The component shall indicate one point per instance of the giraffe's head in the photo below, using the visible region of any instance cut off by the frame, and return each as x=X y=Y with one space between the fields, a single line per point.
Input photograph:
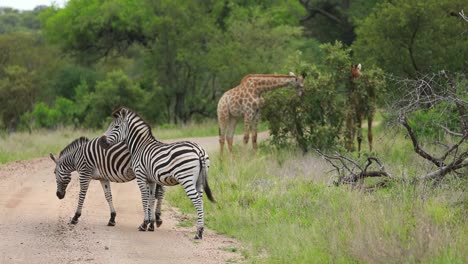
x=298 y=83
x=355 y=71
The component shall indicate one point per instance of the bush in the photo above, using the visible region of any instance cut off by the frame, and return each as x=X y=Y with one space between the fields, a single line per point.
x=114 y=91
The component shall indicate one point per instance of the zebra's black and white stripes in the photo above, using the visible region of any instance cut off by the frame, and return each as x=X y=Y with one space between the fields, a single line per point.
x=92 y=162
x=155 y=162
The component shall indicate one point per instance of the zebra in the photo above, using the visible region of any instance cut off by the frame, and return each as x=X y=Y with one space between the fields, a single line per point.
x=155 y=162
x=92 y=162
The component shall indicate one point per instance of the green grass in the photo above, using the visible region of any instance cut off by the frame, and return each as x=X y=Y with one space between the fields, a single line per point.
x=279 y=205
x=24 y=146
x=39 y=143
x=204 y=129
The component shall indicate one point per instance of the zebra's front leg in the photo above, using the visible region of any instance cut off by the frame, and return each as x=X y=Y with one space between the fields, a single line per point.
x=84 y=184
x=144 y=200
x=108 y=194
x=159 y=197
x=152 y=196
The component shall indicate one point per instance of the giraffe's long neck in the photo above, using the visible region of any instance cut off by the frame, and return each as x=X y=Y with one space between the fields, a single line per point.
x=264 y=83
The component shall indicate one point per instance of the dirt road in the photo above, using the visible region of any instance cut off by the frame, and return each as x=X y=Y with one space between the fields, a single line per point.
x=34 y=223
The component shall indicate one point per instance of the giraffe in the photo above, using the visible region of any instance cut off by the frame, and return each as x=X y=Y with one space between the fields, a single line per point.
x=360 y=106
x=245 y=101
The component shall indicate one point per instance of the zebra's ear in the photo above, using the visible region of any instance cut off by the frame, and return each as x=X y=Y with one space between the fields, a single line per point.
x=120 y=112
x=52 y=157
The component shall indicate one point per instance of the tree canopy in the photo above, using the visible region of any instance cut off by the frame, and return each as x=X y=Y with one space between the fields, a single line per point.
x=172 y=60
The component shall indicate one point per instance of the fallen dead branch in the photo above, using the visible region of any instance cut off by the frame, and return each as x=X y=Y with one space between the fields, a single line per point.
x=349 y=171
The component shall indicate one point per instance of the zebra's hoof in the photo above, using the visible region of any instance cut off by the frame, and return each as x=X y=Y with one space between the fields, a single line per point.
x=158 y=223
x=111 y=223
x=142 y=228
x=74 y=221
x=151 y=227
x=199 y=234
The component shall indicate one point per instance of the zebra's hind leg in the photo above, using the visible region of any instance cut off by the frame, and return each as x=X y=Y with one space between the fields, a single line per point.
x=197 y=201
x=159 y=197
x=108 y=194
x=75 y=218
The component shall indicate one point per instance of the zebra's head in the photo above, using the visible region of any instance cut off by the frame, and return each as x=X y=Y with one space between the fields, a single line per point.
x=65 y=165
x=117 y=130
x=62 y=176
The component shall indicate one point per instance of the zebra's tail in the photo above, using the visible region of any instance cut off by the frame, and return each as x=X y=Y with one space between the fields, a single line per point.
x=204 y=177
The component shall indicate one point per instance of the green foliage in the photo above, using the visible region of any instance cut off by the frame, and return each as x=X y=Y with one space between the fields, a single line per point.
x=426 y=122
x=116 y=90
x=316 y=119
x=97 y=27
x=12 y=20
x=330 y=20
x=26 y=63
x=405 y=37
x=17 y=94
x=69 y=76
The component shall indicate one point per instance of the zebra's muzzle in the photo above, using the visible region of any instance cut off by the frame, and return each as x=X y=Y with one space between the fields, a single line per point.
x=103 y=142
x=60 y=195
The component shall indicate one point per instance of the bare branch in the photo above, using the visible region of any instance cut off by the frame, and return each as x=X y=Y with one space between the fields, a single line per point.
x=438 y=174
x=439 y=163
x=463 y=15
x=451 y=132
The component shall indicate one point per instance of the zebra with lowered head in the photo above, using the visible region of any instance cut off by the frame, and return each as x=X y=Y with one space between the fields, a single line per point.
x=155 y=162
x=92 y=162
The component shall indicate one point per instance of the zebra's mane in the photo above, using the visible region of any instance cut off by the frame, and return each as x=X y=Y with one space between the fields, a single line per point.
x=129 y=111
x=73 y=145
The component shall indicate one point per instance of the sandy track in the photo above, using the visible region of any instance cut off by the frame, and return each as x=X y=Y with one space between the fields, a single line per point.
x=34 y=223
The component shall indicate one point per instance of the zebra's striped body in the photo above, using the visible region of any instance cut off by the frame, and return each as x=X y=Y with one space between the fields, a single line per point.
x=92 y=162
x=154 y=162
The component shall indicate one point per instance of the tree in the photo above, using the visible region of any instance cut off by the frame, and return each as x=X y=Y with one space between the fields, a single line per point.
x=409 y=37
x=97 y=28
x=18 y=94
x=334 y=20
x=116 y=90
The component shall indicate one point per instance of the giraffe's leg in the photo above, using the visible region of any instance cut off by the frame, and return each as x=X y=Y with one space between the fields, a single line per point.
x=254 y=129
x=84 y=184
x=159 y=197
x=108 y=194
x=349 y=134
x=247 y=122
x=222 y=133
x=151 y=196
x=141 y=181
x=359 y=133
x=370 y=136
x=230 y=133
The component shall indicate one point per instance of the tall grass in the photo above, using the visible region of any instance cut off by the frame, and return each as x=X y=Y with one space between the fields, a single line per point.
x=24 y=145
x=280 y=205
x=41 y=142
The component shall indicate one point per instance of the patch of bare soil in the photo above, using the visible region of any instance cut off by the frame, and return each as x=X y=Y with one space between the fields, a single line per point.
x=34 y=223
